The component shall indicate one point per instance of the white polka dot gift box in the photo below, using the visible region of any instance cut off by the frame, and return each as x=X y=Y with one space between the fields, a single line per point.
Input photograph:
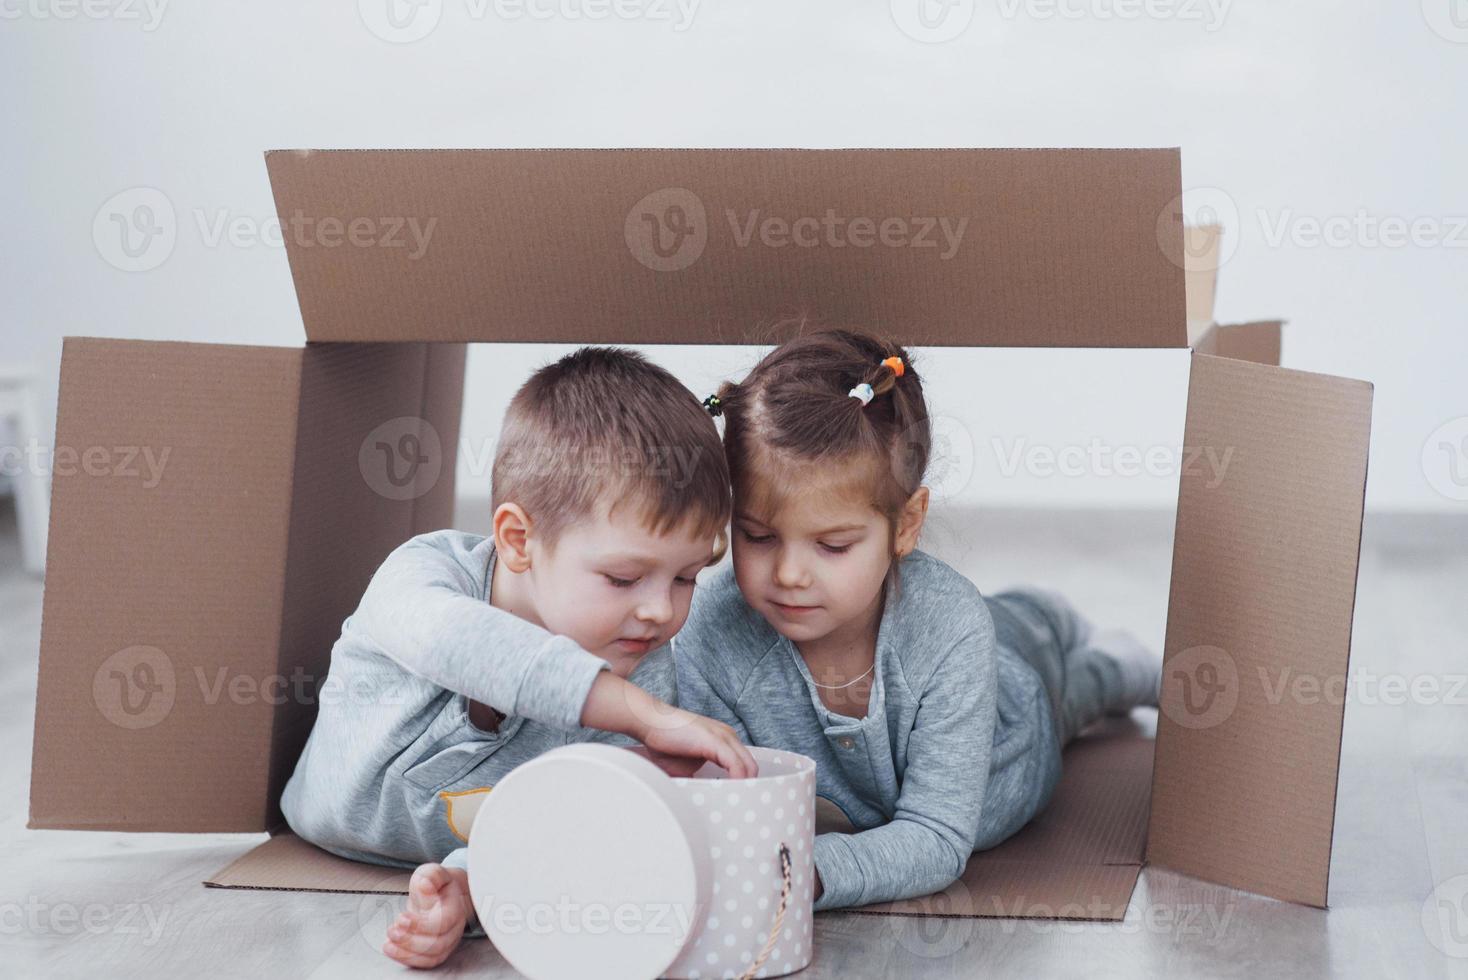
x=591 y=861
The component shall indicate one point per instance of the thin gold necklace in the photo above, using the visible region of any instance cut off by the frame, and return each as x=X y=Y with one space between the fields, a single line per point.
x=837 y=687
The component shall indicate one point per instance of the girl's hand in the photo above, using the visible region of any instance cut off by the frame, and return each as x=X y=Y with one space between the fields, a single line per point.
x=429 y=929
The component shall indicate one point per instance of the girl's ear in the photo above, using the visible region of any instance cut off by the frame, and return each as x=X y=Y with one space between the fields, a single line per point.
x=512 y=536
x=910 y=522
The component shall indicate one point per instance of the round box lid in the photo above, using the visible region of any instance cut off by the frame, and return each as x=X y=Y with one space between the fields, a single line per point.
x=580 y=865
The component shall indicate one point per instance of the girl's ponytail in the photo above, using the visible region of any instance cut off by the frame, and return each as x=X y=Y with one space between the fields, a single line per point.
x=836 y=395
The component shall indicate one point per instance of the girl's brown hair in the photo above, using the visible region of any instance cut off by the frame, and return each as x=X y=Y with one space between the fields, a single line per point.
x=796 y=407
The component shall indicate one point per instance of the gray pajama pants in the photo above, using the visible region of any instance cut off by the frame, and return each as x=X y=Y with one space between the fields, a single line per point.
x=1045 y=630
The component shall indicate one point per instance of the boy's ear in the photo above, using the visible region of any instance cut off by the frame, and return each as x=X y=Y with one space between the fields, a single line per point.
x=512 y=536
x=910 y=522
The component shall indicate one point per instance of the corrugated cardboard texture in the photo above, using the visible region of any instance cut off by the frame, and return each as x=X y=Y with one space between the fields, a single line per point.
x=287 y=863
x=158 y=598
x=347 y=514
x=1059 y=248
x=1078 y=859
x=1257 y=342
x=1259 y=628
x=188 y=625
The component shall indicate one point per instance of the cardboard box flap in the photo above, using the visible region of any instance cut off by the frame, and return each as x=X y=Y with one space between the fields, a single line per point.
x=1259 y=627
x=374 y=466
x=1030 y=248
x=191 y=603
x=1258 y=342
x=287 y=863
x=1201 y=251
x=163 y=585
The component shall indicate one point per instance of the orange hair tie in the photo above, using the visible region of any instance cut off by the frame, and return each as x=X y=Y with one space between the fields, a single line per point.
x=895 y=363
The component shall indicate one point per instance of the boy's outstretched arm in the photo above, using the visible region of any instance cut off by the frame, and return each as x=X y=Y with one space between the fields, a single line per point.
x=617 y=705
x=420 y=611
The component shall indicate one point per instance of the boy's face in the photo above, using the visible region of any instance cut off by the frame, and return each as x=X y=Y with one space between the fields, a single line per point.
x=614 y=587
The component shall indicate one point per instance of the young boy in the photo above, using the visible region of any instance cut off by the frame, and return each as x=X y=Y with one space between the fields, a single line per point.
x=469 y=655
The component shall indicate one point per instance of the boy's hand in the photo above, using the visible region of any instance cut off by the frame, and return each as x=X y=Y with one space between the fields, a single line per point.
x=616 y=705
x=673 y=765
x=690 y=736
x=429 y=929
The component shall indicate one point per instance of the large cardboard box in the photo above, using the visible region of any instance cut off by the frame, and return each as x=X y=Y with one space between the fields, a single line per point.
x=187 y=625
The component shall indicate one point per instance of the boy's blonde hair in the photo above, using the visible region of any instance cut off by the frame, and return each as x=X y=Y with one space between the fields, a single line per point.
x=605 y=427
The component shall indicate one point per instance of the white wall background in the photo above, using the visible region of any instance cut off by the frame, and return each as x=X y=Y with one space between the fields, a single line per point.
x=1289 y=113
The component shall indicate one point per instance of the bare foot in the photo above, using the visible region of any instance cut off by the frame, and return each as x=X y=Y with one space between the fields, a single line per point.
x=429 y=929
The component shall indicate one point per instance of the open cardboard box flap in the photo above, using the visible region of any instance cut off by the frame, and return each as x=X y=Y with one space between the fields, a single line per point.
x=187 y=626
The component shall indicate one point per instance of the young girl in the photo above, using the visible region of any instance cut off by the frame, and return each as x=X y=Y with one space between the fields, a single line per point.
x=936 y=716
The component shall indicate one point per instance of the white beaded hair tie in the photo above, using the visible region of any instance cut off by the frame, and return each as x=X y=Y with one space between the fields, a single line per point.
x=864 y=392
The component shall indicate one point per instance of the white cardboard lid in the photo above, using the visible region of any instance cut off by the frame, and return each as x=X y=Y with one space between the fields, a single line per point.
x=580 y=865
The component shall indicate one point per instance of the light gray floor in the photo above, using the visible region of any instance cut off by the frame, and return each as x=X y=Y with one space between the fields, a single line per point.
x=79 y=904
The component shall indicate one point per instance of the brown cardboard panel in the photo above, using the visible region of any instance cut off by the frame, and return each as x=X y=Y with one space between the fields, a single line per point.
x=221 y=587
x=163 y=587
x=443 y=407
x=287 y=863
x=1068 y=248
x=374 y=465
x=1079 y=859
x=1258 y=342
x=1201 y=250
x=1259 y=628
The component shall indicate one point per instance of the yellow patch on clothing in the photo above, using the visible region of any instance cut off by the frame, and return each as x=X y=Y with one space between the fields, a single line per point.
x=460 y=809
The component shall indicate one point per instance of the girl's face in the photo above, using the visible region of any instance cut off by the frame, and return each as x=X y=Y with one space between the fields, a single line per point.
x=817 y=562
